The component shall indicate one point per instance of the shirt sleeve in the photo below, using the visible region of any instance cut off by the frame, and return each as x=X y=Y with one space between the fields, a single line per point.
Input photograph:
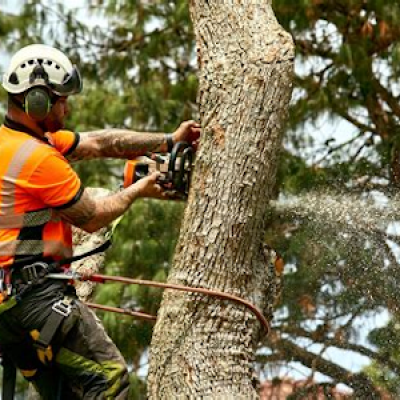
x=65 y=141
x=55 y=183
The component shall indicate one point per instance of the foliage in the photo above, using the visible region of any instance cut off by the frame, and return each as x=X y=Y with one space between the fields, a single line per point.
x=347 y=69
x=387 y=339
x=347 y=74
x=143 y=246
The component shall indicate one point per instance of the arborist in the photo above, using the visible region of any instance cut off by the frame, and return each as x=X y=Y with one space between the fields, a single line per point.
x=45 y=331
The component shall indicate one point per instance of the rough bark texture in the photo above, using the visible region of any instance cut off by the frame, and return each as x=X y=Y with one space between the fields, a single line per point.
x=203 y=347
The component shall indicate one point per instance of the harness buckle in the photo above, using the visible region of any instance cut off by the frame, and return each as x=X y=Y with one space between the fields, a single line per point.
x=5 y=285
x=63 y=307
x=2 y=280
x=30 y=273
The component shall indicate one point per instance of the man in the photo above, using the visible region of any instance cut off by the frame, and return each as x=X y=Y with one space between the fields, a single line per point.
x=47 y=333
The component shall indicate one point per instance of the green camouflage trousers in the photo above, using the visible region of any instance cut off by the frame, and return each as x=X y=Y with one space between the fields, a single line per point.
x=82 y=361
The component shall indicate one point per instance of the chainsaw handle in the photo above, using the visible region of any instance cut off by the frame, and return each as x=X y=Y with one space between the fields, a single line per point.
x=177 y=175
x=172 y=161
x=187 y=156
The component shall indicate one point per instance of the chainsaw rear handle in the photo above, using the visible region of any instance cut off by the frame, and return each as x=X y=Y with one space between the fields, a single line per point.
x=133 y=171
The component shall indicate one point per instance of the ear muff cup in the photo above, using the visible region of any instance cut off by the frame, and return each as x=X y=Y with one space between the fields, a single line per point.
x=37 y=104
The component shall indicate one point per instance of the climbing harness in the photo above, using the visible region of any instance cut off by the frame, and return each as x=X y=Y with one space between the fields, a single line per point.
x=31 y=276
x=176 y=169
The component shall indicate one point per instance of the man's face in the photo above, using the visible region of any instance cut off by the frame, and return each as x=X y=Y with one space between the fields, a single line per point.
x=55 y=120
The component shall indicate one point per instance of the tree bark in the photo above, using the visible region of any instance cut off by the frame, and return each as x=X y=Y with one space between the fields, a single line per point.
x=203 y=347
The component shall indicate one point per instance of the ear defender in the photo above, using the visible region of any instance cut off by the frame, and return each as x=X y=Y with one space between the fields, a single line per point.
x=37 y=104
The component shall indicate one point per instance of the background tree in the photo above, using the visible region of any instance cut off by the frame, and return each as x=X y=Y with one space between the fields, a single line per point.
x=344 y=266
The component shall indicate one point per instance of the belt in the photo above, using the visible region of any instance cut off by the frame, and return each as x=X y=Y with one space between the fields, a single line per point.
x=15 y=282
x=29 y=274
x=23 y=280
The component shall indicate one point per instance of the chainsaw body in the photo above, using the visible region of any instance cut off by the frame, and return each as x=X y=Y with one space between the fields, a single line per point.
x=175 y=168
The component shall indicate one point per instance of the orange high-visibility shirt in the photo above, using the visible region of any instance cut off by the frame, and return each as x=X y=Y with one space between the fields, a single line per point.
x=35 y=181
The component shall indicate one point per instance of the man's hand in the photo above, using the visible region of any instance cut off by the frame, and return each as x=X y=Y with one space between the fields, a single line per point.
x=91 y=214
x=149 y=187
x=188 y=131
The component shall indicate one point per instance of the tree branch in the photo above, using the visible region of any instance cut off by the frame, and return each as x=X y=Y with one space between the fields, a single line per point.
x=359 y=382
x=394 y=366
x=387 y=96
x=361 y=126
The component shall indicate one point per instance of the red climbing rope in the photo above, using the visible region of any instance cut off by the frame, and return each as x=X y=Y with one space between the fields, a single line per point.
x=214 y=293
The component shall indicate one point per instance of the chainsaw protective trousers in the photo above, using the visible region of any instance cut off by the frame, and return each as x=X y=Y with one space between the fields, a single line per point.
x=82 y=361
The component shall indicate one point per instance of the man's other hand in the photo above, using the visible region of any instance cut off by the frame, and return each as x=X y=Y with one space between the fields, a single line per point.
x=188 y=131
x=149 y=187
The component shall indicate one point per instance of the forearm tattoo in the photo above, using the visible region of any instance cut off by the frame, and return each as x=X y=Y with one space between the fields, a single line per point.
x=118 y=143
x=92 y=214
x=81 y=212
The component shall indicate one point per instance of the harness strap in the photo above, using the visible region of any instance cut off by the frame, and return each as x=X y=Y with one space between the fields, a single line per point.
x=103 y=247
x=60 y=310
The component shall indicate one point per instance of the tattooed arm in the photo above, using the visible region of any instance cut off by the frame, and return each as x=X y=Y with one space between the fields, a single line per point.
x=91 y=214
x=120 y=143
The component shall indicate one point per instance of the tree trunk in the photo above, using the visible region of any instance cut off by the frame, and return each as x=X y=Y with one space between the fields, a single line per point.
x=203 y=347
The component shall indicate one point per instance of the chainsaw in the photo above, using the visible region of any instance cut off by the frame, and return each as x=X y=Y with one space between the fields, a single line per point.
x=175 y=168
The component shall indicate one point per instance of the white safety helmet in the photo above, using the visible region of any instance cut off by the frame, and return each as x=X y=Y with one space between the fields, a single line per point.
x=42 y=65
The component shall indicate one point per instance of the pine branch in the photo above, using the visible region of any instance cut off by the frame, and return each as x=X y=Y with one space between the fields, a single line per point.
x=359 y=382
x=66 y=18
x=357 y=153
x=340 y=146
x=387 y=96
x=313 y=390
x=307 y=47
x=360 y=125
x=381 y=359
